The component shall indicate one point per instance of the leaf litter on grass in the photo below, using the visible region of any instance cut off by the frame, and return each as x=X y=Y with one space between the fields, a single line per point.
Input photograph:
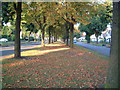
x=75 y=68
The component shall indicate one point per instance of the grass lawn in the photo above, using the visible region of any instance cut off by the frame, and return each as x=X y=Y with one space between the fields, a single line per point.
x=55 y=66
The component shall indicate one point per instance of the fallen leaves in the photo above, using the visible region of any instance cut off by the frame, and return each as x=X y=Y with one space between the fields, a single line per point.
x=80 y=53
x=75 y=68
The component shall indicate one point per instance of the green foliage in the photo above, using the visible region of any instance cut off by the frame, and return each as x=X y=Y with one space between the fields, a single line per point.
x=7 y=12
x=13 y=38
x=86 y=28
x=77 y=35
x=41 y=15
x=30 y=27
x=55 y=14
x=8 y=32
x=4 y=36
x=99 y=21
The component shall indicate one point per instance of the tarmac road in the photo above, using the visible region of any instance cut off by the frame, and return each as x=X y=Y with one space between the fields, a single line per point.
x=5 y=51
x=101 y=50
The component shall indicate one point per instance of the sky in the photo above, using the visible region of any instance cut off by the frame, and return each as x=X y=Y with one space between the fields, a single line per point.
x=8 y=24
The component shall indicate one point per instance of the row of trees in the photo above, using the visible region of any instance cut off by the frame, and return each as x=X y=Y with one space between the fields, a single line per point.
x=58 y=19
x=55 y=18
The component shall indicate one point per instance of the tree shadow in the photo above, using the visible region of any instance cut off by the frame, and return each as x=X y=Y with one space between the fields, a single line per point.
x=36 y=52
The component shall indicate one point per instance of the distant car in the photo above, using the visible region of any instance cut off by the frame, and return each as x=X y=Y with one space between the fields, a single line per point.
x=75 y=41
x=29 y=38
x=3 y=40
x=26 y=38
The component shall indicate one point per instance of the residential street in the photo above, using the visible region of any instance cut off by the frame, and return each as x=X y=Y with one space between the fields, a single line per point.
x=101 y=50
x=10 y=49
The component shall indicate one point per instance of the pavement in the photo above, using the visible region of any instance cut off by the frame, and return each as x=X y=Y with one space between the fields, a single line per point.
x=101 y=50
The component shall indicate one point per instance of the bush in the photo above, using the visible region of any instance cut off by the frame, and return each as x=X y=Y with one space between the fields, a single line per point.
x=9 y=38
x=13 y=38
x=4 y=36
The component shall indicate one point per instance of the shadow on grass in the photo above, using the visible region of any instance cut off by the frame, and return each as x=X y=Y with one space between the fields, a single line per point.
x=36 y=52
x=43 y=51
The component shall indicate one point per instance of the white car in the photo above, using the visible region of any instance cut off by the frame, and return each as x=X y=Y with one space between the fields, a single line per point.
x=3 y=40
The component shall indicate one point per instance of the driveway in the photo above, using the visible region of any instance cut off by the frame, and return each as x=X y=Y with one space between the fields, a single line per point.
x=101 y=50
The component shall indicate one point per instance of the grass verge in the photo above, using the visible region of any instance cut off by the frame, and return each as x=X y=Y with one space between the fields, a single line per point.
x=99 y=44
x=99 y=55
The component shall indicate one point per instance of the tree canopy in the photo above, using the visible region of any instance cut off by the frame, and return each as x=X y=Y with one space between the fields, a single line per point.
x=57 y=19
x=99 y=21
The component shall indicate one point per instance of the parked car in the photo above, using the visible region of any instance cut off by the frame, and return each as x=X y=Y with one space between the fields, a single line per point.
x=82 y=39
x=3 y=40
x=29 y=38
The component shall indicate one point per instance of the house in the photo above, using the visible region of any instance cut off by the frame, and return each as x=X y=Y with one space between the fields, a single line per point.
x=105 y=35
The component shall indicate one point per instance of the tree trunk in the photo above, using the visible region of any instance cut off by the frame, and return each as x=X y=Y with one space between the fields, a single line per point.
x=67 y=34
x=67 y=37
x=29 y=37
x=64 y=40
x=97 y=39
x=118 y=43
x=35 y=37
x=109 y=40
x=43 y=32
x=43 y=42
x=49 y=36
x=17 y=30
x=87 y=37
x=56 y=37
x=52 y=39
x=71 y=34
x=113 y=67
x=105 y=40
